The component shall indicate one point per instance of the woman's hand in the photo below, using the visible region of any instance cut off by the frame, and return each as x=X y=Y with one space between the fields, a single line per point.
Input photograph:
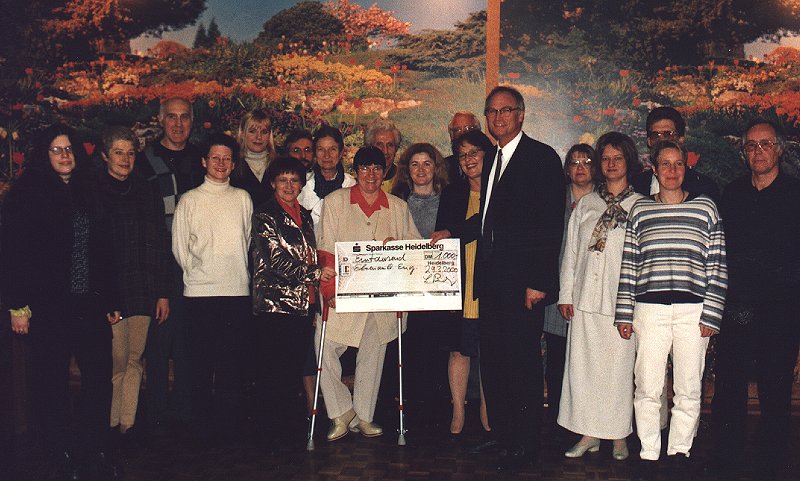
x=114 y=317
x=162 y=310
x=388 y=239
x=20 y=324
x=625 y=330
x=566 y=310
x=439 y=235
x=327 y=274
x=332 y=302
x=707 y=331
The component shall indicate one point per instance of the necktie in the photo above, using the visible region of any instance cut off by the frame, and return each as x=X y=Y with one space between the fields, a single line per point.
x=498 y=167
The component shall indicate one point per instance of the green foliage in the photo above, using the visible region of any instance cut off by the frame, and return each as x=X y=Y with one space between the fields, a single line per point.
x=213 y=33
x=446 y=52
x=307 y=23
x=648 y=34
x=201 y=37
x=226 y=62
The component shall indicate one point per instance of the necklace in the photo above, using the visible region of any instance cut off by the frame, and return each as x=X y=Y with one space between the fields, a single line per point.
x=661 y=199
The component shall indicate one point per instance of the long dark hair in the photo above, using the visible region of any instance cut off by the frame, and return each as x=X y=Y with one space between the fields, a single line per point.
x=81 y=182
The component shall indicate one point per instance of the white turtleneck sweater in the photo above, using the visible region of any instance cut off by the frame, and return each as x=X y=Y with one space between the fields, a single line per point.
x=257 y=163
x=210 y=238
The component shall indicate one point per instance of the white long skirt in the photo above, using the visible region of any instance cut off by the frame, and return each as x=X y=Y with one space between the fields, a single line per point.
x=597 y=392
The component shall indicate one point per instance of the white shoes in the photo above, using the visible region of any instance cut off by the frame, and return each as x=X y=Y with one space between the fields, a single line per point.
x=586 y=443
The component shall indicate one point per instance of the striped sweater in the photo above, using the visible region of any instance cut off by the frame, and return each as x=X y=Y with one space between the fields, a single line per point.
x=676 y=248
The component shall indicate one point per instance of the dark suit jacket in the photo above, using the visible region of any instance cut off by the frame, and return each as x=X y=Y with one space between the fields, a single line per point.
x=524 y=224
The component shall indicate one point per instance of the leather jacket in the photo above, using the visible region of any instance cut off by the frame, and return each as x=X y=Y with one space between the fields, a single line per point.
x=283 y=269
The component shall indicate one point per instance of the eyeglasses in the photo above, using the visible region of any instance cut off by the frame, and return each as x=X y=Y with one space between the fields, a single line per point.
x=766 y=145
x=370 y=169
x=587 y=162
x=298 y=150
x=662 y=134
x=287 y=180
x=502 y=112
x=220 y=160
x=616 y=158
x=472 y=154
x=456 y=131
x=58 y=151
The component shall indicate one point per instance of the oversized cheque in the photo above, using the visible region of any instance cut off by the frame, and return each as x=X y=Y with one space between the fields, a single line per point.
x=408 y=275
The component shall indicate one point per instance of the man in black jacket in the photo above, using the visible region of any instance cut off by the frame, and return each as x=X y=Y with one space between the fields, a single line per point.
x=522 y=222
x=173 y=164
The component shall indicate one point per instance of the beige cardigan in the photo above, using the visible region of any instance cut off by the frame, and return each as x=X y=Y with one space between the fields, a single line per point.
x=345 y=222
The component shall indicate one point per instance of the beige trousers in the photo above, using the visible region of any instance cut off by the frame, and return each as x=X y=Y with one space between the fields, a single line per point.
x=369 y=368
x=127 y=347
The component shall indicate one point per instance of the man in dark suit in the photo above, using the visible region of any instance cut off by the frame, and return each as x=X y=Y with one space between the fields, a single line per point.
x=522 y=215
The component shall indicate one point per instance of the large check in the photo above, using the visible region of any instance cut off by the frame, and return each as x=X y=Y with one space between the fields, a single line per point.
x=410 y=275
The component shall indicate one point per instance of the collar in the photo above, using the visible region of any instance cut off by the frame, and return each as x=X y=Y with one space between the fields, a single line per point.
x=356 y=197
x=510 y=147
x=293 y=211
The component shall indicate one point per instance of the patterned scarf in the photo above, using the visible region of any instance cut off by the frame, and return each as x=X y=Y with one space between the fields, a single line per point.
x=613 y=217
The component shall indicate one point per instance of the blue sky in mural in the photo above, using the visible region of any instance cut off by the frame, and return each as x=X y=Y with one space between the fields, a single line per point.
x=243 y=19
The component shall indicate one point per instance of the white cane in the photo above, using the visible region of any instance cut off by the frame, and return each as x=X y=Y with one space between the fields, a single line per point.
x=401 y=440
x=310 y=444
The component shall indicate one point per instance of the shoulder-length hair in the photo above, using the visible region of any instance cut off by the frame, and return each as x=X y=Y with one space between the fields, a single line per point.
x=403 y=185
x=590 y=153
x=624 y=144
x=257 y=115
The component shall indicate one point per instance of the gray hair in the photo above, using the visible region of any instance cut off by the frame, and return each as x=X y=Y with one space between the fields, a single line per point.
x=382 y=125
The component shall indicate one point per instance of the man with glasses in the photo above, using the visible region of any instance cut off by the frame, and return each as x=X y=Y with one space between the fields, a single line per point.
x=385 y=136
x=174 y=165
x=666 y=123
x=760 y=326
x=516 y=269
x=299 y=145
x=460 y=124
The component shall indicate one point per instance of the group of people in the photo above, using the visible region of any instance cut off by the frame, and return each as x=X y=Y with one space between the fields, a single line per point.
x=621 y=267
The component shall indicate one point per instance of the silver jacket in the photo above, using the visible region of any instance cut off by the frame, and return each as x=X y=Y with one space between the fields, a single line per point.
x=279 y=255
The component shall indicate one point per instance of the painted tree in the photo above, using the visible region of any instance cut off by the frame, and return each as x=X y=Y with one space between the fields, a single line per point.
x=368 y=25
x=213 y=33
x=307 y=22
x=200 y=37
x=650 y=34
x=81 y=28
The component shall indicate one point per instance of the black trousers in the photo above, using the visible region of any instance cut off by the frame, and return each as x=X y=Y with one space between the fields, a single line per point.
x=511 y=369
x=554 y=373
x=764 y=350
x=217 y=343
x=82 y=330
x=282 y=341
x=164 y=341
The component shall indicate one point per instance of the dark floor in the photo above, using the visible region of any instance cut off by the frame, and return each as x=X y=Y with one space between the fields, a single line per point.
x=430 y=454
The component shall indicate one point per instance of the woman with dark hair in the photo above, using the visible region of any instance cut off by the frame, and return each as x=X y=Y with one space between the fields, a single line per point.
x=327 y=174
x=458 y=217
x=672 y=288
x=257 y=149
x=579 y=169
x=210 y=239
x=286 y=277
x=59 y=285
x=597 y=395
x=141 y=255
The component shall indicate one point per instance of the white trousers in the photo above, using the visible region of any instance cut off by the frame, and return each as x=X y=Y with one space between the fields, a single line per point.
x=369 y=368
x=659 y=329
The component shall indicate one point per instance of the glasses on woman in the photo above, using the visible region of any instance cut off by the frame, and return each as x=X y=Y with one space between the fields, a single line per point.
x=370 y=169
x=472 y=154
x=584 y=162
x=61 y=150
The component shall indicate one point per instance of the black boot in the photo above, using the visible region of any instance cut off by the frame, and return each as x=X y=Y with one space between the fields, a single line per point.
x=67 y=467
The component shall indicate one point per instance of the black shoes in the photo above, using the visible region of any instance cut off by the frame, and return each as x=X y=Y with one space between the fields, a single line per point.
x=647 y=471
x=681 y=468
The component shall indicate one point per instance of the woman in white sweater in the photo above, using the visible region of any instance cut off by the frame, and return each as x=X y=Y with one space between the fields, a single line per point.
x=210 y=238
x=597 y=392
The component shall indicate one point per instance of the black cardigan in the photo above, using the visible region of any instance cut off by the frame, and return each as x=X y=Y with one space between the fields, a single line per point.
x=453 y=204
x=37 y=236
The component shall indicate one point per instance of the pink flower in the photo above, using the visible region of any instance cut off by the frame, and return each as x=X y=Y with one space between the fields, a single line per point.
x=624 y=73
x=692 y=159
x=18 y=157
x=88 y=147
